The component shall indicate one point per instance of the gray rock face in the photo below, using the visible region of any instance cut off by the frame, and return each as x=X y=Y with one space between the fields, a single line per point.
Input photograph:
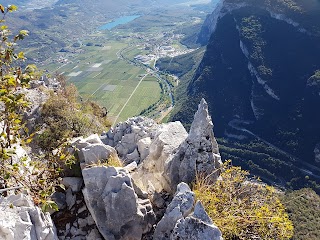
x=118 y=210
x=143 y=147
x=94 y=235
x=192 y=228
x=75 y=183
x=70 y=198
x=91 y=150
x=36 y=97
x=20 y=219
x=199 y=153
x=60 y=199
x=131 y=138
x=180 y=223
x=167 y=138
x=180 y=207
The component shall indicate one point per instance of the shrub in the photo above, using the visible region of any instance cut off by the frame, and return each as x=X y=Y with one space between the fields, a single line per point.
x=243 y=208
x=12 y=101
x=64 y=117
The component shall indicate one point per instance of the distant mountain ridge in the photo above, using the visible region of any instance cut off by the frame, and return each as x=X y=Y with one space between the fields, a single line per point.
x=120 y=5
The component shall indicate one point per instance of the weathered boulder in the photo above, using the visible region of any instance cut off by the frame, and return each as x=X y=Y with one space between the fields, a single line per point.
x=21 y=219
x=143 y=147
x=196 y=226
x=60 y=199
x=91 y=150
x=125 y=138
x=180 y=207
x=70 y=198
x=199 y=153
x=119 y=210
x=167 y=138
x=94 y=235
x=75 y=183
x=37 y=98
x=184 y=220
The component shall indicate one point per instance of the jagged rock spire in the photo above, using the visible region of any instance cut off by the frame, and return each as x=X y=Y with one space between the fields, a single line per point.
x=202 y=127
x=199 y=153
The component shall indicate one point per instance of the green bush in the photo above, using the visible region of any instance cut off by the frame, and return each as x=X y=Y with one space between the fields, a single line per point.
x=243 y=209
x=64 y=117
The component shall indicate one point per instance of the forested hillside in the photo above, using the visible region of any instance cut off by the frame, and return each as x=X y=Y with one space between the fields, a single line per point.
x=260 y=75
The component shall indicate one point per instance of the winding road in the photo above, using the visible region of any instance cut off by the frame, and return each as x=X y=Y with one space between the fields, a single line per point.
x=149 y=70
x=308 y=168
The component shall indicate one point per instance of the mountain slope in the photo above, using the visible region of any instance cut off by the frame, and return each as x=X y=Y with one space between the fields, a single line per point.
x=260 y=76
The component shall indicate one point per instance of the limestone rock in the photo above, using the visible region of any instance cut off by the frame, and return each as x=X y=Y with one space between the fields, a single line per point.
x=21 y=158
x=60 y=199
x=201 y=214
x=75 y=183
x=91 y=150
x=192 y=228
x=134 y=156
x=36 y=97
x=199 y=153
x=114 y=205
x=20 y=153
x=94 y=235
x=125 y=138
x=79 y=222
x=167 y=138
x=180 y=207
x=143 y=147
x=20 y=219
x=70 y=198
x=131 y=167
x=179 y=222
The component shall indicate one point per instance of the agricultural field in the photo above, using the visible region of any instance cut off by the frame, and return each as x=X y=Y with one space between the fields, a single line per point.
x=100 y=75
x=109 y=66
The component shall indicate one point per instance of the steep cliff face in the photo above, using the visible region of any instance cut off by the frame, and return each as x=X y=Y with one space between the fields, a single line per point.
x=259 y=73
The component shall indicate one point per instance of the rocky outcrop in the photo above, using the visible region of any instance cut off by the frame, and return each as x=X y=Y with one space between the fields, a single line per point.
x=198 y=154
x=118 y=207
x=150 y=173
x=184 y=220
x=131 y=138
x=91 y=150
x=126 y=203
x=196 y=226
x=74 y=183
x=222 y=8
x=171 y=155
x=37 y=95
x=21 y=219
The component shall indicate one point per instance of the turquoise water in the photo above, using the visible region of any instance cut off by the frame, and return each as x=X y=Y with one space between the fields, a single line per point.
x=118 y=21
